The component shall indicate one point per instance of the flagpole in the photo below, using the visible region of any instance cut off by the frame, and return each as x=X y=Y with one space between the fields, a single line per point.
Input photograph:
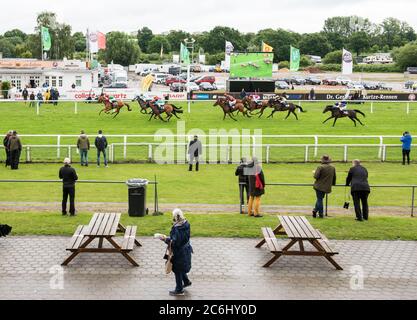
x=41 y=44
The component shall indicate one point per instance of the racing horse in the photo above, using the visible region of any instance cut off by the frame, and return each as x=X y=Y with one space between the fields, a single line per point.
x=169 y=109
x=110 y=107
x=143 y=105
x=337 y=114
x=224 y=104
x=251 y=105
x=280 y=107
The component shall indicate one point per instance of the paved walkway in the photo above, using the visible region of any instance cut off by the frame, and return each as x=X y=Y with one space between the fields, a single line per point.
x=222 y=269
x=192 y=208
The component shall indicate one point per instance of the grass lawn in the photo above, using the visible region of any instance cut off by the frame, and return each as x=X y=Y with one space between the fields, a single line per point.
x=214 y=184
x=221 y=225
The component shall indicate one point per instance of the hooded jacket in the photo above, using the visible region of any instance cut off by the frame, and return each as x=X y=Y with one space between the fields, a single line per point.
x=83 y=143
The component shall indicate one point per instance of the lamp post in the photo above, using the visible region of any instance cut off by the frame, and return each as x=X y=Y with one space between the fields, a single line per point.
x=189 y=43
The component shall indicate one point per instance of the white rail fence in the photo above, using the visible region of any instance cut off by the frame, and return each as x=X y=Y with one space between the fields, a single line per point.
x=224 y=152
x=373 y=103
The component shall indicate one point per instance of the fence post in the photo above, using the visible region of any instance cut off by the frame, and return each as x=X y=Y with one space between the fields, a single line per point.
x=299 y=103
x=69 y=153
x=37 y=108
x=345 y=154
x=58 y=143
x=384 y=154
x=150 y=153
x=372 y=107
x=189 y=106
x=307 y=150
x=268 y=151
x=125 y=147
x=27 y=154
x=412 y=203
x=381 y=143
x=112 y=153
x=316 y=143
x=408 y=107
x=76 y=107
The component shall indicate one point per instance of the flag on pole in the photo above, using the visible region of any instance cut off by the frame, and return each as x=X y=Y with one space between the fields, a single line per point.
x=294 y=59
x=147 y=82
x=97 y=41
x=46 y=39
x=162 y=50
x=184 y=54
x=267 y=47
x=229 y=47
x=347 y=62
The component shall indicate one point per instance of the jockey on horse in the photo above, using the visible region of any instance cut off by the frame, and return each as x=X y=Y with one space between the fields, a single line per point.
x=158 y=102
x=231 y=101
x=341 y=106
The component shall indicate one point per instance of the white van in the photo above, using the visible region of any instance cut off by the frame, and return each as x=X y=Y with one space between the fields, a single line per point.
x=119 y=79
x=159 y=78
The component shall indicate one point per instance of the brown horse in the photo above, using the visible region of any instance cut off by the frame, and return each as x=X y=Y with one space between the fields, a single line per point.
x=224 y=104
x=108 y=106
x=251 y=105
x=337 y=114
x=169 y=109
x=143 y=105
x=281 y=107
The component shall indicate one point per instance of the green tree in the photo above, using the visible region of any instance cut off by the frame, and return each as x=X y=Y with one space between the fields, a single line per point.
x=215 y=40
x=280 y=39
x=7 y=48
x=406 y=56
x=334 y=57
x=157 y=42
x=175 y=37
x=121 y=49
x=314 y=44
x=358 y=42
x=396 y=33
x=15 y=33
x=80 y=40
x=144 y=36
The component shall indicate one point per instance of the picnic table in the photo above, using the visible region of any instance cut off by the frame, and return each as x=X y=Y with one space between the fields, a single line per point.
x=299 y=231
x=103 y=226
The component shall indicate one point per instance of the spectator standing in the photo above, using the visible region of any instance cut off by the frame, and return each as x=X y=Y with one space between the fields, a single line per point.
x=6 y=147
x=179 y=241
x=325 y=176
x=69 y=177
x=243 y=182
x=256 y=188
x=15 y=148
x=407 y=141
x=25 y=95
x=32 y=100
x=83 y=145
x=101 y=146
x=312 y=95
x=360 y=189
x=195 y=150
x=243 y=94
x=39 y=96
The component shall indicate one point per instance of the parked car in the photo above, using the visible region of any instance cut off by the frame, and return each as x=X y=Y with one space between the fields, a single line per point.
x=282 y=85
x=343 y=81
x=313 y=81
x=298 y=81
x=287 y=80
x=330 y=82
x=409 y=84
x=370 y=86
x=196 y=68
x=206 y=86
x=193 y=86
x=209 y=79
x=412 y=70
x=177 y=87
x=384 y=86
x=173 y=79
x=356 y=86
x=159 y=78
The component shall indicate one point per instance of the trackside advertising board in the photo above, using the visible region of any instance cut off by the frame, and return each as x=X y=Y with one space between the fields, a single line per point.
x=251 y=64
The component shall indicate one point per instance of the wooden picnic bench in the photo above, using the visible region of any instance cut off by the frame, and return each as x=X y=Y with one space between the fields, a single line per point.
x=103 y=226
x=299 y=231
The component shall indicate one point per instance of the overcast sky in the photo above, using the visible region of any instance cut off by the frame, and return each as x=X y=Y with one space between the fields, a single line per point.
x=200 y=15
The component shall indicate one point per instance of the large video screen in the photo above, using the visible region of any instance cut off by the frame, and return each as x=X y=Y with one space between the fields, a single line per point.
x=251 y=64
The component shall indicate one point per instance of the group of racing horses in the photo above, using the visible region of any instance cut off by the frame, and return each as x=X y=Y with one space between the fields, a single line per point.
x=247 y=106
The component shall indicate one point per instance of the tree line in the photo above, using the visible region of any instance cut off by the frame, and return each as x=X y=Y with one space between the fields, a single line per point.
x=360 y=35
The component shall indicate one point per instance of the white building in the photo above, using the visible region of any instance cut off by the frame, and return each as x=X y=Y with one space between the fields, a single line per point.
x=35 y=74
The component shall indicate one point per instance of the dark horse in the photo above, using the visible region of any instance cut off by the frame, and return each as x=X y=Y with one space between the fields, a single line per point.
x=108 y=106
x=144 y=106
x=280 y=107
x=224 y=104
x=337 y=114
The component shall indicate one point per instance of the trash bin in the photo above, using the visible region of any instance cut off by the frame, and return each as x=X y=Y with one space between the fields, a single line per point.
x=137 y=197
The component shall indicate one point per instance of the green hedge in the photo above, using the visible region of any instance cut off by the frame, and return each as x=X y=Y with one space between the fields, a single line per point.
x=391 y=67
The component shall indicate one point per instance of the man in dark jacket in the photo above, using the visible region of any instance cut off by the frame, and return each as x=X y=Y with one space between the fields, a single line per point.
x=243 y=182
x=358 y=180
x=6 y=147
x=325 y=176
x=69 y=177
x=32 y=100
x=101 y=145
x=25 y=94
x=15 y=147
x=195 y=150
